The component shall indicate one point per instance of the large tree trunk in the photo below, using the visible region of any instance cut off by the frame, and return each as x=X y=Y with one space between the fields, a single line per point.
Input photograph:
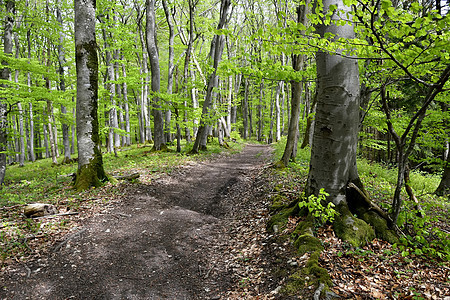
x=335 y=137
x=90 y=162
x=152 y=50
x=333 y=152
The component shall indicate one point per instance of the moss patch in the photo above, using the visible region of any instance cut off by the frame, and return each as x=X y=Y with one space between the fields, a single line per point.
x=278 y=202
x=382 y=230
x=307 y=243
x=351 y=229
x=280 y=219
x=92 y=174
x=310 y=275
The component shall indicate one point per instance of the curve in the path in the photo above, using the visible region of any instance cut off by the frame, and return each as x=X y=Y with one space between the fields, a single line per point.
x=155 y=245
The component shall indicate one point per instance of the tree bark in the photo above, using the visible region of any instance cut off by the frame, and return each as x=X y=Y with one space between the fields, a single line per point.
x=127 y=109
x=245 y=109
x=217 y=46
x=62 y=85
x=90 y=163
x=5 y=75
x=335 y=137
x=152 y=50
x=171 y=68
x=297 y=63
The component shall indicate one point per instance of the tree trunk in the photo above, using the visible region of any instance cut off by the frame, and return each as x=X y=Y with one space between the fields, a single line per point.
x=335 y=137
x=145 y=130
x=245 y=109
x=90 y=162
x=171 y=68
x=5 y=75
x=444 y=185
x=127 y=109
x=62 y=85
x=217 y=46
x=278 y=111
x=260 y=111
x=297 y=63
x=152 y=50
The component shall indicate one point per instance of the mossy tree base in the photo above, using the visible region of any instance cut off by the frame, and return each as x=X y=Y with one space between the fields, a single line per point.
x=351 y=229
x=161 y=148
x=357 y=205
x=90 y=175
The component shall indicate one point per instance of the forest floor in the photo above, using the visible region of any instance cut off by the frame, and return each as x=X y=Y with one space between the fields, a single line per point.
x=198 y=233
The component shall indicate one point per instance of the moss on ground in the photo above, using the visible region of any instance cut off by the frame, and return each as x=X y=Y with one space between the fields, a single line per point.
x=310 y=275
x=278 y=202
x=280 y=219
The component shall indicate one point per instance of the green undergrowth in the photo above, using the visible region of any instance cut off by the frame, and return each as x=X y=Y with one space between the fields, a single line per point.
x=423 y=236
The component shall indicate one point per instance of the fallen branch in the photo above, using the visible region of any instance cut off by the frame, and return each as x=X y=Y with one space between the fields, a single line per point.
x=127 y=177
x=376 y=208
x=58 y=215
x=73 y=235
x=12 y=207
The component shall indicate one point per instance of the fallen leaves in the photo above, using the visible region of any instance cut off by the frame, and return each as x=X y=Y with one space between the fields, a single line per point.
x=378 y=272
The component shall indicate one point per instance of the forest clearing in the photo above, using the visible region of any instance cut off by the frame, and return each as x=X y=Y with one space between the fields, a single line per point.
x=136 y=140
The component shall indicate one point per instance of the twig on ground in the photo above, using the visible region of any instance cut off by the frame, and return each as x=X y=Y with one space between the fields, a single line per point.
x=12 y=207
x=68 y=239
x=58 y=215
x=28 y=271
x=209 y=271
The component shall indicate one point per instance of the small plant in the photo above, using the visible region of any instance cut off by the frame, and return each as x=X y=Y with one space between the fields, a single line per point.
x=322 y=213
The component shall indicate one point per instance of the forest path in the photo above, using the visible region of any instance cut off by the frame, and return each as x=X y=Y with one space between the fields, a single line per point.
x=166 y=240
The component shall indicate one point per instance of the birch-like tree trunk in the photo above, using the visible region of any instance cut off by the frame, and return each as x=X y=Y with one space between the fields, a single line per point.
x=145 y=129
x=62 y=84
x=5 y=75
x=90 y=163
x=126 y=107
x=217 y=46
x=245 y=109
x=171 y=68
x=152 y=50
x=297 y=63
x=279 y=88
x=21 y=144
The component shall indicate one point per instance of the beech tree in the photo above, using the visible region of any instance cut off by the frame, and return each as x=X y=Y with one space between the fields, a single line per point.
x=153 y=56
x=5 y=76
x=335 y=136
x=90 y=163
x=217 y=46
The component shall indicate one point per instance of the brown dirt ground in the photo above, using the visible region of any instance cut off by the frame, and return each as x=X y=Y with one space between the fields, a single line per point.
x=196 y=234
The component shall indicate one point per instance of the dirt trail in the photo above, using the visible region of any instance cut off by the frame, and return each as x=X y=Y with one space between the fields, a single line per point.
x=159 y=242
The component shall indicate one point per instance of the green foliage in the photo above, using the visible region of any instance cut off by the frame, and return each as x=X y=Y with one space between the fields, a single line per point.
x=423 y=237
x=314 y=205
